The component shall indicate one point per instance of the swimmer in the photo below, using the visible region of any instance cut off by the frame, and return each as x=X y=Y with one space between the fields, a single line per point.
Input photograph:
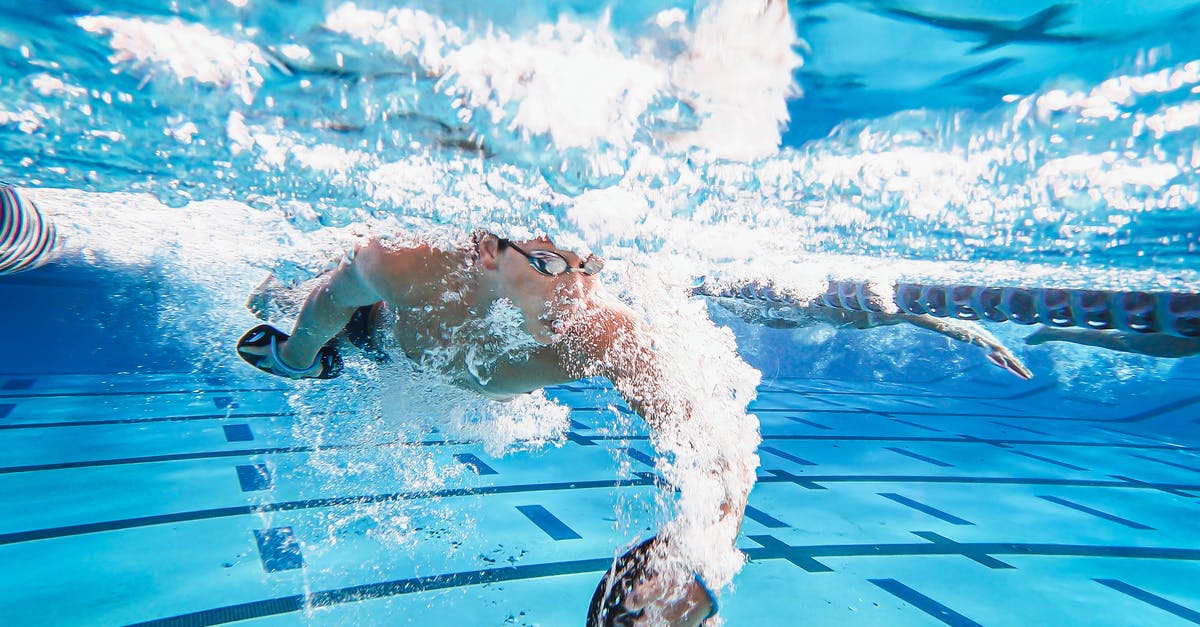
x=417 y=297
x=960 y=330
x=1151 y=344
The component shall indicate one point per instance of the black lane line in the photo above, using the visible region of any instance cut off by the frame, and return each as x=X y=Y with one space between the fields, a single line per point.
x=131 y=421
x=142 y=393
x=171 y=457
x=1166 y=463
x=1079 y=507
x=1150 y=598
x=773 y=550
x=785 y=477
x=643 y=479
x=353 y=594
x=924 y=603
x=287 y=506
x=585 y=440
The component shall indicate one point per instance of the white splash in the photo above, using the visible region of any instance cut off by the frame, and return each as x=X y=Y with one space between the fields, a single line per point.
x=189 y=51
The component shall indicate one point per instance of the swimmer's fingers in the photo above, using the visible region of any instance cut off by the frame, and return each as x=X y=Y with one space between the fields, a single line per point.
x=1004 y=359
x=654 y=602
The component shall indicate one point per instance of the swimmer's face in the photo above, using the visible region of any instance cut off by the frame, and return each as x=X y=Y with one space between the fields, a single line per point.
x=550 y=304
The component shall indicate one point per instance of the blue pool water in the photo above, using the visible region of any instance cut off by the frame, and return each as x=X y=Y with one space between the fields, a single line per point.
x=184 y=152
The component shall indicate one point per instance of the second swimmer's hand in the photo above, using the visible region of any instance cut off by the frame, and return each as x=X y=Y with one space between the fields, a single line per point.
x=1005 y=359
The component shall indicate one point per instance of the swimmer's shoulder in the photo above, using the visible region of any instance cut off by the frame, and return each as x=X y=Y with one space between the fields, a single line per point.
x=407 y=274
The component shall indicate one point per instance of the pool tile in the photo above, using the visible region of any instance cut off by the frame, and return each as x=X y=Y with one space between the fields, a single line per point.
x=548 y=523
x=254 y=477
x=278 y=549
x=238 y=433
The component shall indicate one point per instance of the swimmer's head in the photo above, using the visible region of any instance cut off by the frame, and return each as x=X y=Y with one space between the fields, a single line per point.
x=549 y=285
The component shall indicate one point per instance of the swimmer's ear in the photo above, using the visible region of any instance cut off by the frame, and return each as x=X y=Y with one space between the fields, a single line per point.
x=488 y=247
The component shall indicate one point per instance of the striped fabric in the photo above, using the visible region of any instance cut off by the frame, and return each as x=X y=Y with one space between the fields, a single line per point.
x=27 y=239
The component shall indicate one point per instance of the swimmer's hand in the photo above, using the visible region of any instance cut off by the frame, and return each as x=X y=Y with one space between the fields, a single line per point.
x=1004 y=359
x=652 y=603
x=633 y=593
x=260 y=347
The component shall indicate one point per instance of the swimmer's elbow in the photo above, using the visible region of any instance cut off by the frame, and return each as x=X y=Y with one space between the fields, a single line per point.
x=353 y=282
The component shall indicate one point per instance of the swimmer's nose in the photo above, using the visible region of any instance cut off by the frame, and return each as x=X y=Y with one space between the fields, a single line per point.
x=570 y=293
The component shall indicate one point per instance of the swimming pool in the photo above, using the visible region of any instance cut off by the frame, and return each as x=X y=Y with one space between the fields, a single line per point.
x=184 y=153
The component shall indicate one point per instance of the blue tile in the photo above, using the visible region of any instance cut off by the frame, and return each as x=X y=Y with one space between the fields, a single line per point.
x=786 y=455
x=474 y=463
x=278 y=549
x=575 y=424
x=18 y=384
x=1167 y=605
x=224 y=402
x=928 y=460
x=238 y=433
x=547 y=522
x=6 y=409
x=254 y=478
x=925 y=509
x=1095 y=512
x=924 y=603
x=764 y=519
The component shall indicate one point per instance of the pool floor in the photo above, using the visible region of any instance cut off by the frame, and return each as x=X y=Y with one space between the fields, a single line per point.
x=187 y=500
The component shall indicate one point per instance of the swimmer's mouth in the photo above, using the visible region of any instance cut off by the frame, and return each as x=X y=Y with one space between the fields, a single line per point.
x=555 y=325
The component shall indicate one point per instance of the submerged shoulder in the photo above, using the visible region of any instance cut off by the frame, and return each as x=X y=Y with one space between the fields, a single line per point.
x=601 y=328
x=404 y=272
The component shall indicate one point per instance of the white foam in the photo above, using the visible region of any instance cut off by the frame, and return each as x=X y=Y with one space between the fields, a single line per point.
x=189 y=51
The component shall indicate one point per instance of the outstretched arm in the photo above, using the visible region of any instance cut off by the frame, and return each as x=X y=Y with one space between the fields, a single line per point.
x=964 y=331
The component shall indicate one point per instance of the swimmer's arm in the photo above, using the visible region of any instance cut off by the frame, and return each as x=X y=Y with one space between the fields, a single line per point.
x=625 y=355
x=352 y=284
x=971 y=334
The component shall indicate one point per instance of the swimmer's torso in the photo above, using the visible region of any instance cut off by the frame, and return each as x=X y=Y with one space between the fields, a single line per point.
x=442 y=339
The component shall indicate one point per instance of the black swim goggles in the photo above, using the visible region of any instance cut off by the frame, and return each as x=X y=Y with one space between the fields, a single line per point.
x=552 y=264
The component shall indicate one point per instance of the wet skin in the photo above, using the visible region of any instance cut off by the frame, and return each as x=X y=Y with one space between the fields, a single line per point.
x=579 y=333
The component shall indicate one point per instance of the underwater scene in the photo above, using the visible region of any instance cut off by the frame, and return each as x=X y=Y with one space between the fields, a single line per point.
x=659 y=312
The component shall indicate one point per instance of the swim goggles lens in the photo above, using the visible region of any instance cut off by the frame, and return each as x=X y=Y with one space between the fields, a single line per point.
x=551 y=263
